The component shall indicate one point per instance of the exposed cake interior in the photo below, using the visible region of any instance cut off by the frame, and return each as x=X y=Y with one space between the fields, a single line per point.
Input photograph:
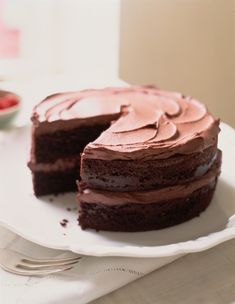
x=56 y=158
x=58 y=143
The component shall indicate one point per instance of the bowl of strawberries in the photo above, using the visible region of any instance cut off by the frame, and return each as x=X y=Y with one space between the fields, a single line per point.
x=9 y=107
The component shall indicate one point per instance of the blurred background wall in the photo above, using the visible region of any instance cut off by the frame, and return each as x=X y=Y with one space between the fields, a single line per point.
x=61 y=36
x=184 y=45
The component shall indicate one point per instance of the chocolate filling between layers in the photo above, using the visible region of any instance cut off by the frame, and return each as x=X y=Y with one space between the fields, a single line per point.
x=143 y=217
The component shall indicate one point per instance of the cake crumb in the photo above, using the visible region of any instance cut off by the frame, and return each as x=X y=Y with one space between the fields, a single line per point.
x=71 y=209
x=51 y=199
x=64 y=223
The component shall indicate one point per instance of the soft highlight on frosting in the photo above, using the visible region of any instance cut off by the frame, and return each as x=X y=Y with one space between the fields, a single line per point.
x=148 y=122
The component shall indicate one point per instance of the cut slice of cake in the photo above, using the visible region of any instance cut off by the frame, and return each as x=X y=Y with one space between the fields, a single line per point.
x=62 y=126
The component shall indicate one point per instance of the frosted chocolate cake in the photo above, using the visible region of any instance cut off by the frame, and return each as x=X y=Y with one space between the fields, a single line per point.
x=149 y=158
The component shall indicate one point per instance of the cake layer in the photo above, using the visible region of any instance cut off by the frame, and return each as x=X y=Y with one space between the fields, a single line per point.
x=55 y=182
x=142 y=217
x=110 y=198
x=49 y=147
x=146 y=210
x=133 y=175
x=61 y=164
x=55 y=177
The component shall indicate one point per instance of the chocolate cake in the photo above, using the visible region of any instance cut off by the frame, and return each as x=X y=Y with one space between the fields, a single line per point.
x=149 y=157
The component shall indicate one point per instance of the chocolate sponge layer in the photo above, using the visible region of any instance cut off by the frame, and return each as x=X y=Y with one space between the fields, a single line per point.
x=55 y=182
x=51 y=146
x=143 y=217
x=135 y=175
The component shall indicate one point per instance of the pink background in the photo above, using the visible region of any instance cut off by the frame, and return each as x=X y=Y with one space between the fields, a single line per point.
x=9 y=37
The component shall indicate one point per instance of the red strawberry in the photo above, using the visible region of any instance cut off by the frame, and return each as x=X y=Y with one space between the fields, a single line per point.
x=8 y=101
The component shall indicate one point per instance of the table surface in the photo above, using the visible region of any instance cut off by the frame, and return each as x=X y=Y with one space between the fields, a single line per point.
x=206 y=277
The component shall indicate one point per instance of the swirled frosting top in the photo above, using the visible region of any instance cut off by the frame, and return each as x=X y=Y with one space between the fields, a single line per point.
x=147 y=122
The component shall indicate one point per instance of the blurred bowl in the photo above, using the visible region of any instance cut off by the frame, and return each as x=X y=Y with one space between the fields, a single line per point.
x=13 y=105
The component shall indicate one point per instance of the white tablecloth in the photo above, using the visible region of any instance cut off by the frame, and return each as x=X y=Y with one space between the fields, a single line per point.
x=206 y=277
x=91 y=278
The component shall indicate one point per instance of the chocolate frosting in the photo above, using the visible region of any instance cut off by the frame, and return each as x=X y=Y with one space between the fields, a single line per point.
x=148 y=122
x=61 y=164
